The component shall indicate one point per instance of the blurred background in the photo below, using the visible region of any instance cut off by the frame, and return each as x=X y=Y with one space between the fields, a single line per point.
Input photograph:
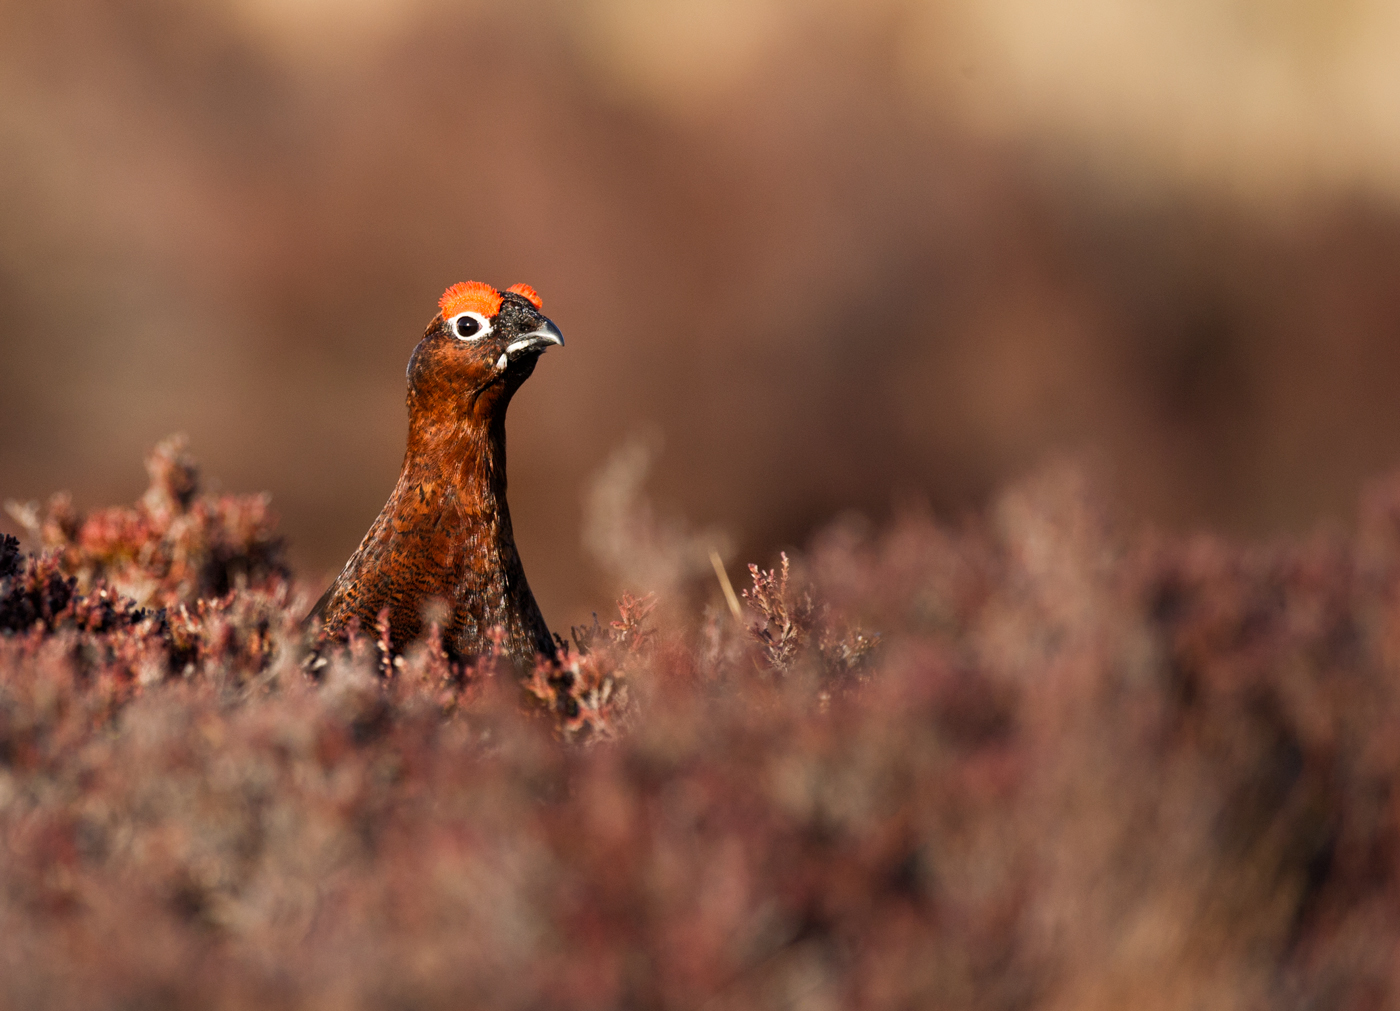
x=808 y=256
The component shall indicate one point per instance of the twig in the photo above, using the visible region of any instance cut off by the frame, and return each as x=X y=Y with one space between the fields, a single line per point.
x=726 y=585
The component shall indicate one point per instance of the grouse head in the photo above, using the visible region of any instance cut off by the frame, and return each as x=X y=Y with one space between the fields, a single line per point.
x=478 y=350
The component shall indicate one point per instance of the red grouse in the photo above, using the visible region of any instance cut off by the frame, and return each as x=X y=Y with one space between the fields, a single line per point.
x=444 y=535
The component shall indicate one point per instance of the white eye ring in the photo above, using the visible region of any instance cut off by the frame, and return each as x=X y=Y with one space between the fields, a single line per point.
x=462 y=327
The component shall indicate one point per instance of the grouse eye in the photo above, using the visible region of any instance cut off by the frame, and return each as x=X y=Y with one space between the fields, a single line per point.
x=470 y=326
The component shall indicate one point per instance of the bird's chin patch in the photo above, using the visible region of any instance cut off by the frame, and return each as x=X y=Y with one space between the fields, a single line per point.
x=511 y=370
x=520 y=360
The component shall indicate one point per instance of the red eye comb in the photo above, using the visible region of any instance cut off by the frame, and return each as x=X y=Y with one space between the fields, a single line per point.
x=528 y=292
x=470 y=296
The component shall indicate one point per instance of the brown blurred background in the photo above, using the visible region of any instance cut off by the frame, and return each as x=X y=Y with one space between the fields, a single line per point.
x=823 y=254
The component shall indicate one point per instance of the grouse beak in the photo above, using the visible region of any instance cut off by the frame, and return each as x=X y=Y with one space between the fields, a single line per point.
x=536 y=340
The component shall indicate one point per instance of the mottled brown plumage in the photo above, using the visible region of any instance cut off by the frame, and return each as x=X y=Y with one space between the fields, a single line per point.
x=445 y=534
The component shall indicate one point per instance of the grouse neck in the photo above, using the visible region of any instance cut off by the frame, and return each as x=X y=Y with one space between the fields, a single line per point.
x=468 y=454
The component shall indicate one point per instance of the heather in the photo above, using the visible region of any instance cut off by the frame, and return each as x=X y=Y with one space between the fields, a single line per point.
x=1036 y=758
